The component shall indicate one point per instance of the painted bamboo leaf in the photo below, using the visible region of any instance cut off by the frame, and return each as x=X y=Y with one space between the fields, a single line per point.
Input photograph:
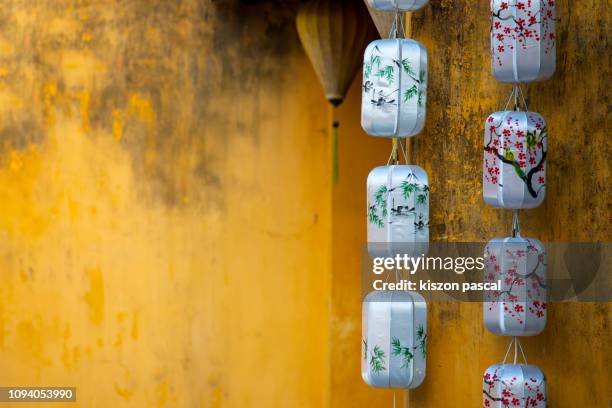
x=377 y=360
x=386 y=73
x=403 y=352
x=410 y=93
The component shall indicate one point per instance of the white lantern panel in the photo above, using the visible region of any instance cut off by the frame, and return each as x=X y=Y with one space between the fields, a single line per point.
x=398 y=211
x=515 y=153
x=394 y=343
x=514 y=385
x=518 y=308
x=401 y=5
x=523 y=40
x=394 y=90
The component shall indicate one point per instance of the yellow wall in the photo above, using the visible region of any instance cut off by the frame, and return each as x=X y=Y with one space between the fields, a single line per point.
x=169 y=236
x=164 y=221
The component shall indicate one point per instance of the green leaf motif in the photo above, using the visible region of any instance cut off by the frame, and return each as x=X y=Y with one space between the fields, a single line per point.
x=377 y=358
x=422 y=337
x=374 y=218
x=387 y=73
x=409 y=188
x=410 y=93
x=403 y=352
x=374 y=61
x=421 y=199
x=407 y=66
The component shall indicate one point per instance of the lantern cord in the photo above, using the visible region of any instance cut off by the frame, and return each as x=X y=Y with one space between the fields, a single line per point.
x=397 y=27
x=523 y=98
x=516 y=228
x=517 y=94
x=508 y=350
x=335 y=154
x=393 y=158
x=517 y=346
x=509 y=98
x=517 y=106
x=404 y=148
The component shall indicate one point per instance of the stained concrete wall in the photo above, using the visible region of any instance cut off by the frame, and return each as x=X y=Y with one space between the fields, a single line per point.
x=165 y=209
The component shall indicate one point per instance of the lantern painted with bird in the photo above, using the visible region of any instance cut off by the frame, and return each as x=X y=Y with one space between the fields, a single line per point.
x=515 y=153
x=518 y=306
x=394 y=90
x=514 y=385
x=399 y=5
x=523 y=40
x=398 y=211
x=394 y=339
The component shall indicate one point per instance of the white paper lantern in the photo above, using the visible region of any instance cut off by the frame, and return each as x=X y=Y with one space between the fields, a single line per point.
x=394 y=343
x=515 y=153
x=523 y=40
x=518 y=308
x=514 y=385
x=398 y=211
x=401 y=5
x=394 y=90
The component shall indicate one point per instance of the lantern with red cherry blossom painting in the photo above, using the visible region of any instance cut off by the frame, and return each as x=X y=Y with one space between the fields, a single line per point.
x=514 y=385
x=393 y=5
x=523 y=40
x=518 y=306
x=515 y=152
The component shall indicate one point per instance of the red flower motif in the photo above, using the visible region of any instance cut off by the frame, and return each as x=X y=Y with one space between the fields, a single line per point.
x=518 y=308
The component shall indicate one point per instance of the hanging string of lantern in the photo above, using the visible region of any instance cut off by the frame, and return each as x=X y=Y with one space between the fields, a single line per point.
x=523 y=50
x=394 y=96
x=334 y=33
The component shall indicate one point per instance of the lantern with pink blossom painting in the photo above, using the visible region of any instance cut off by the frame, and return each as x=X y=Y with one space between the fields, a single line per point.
x=515 y=153
x=514 y=385
x=400 y=5
x=523 y=40
x=518 y=306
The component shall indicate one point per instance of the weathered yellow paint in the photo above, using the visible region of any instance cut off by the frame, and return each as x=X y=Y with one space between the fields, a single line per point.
x=573 y=351
x=165 y=209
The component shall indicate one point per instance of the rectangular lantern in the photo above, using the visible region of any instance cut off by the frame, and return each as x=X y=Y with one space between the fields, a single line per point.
x=515 y=153
x=523 y=40
x=401 y=5
x=514 y=385
x=398 y=211
x=394 y=90
x=518 y=308
x=394 y=343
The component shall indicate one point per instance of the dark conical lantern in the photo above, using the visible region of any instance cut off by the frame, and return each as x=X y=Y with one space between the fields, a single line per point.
x=334 y=34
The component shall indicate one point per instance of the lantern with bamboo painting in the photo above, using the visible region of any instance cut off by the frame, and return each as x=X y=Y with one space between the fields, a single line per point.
x=398 y=211
x=514 y=385
x=514 y=166
x=394 y=339
x=518 y=307
x=523 y=40
x=401 y=5
x=394 y=90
